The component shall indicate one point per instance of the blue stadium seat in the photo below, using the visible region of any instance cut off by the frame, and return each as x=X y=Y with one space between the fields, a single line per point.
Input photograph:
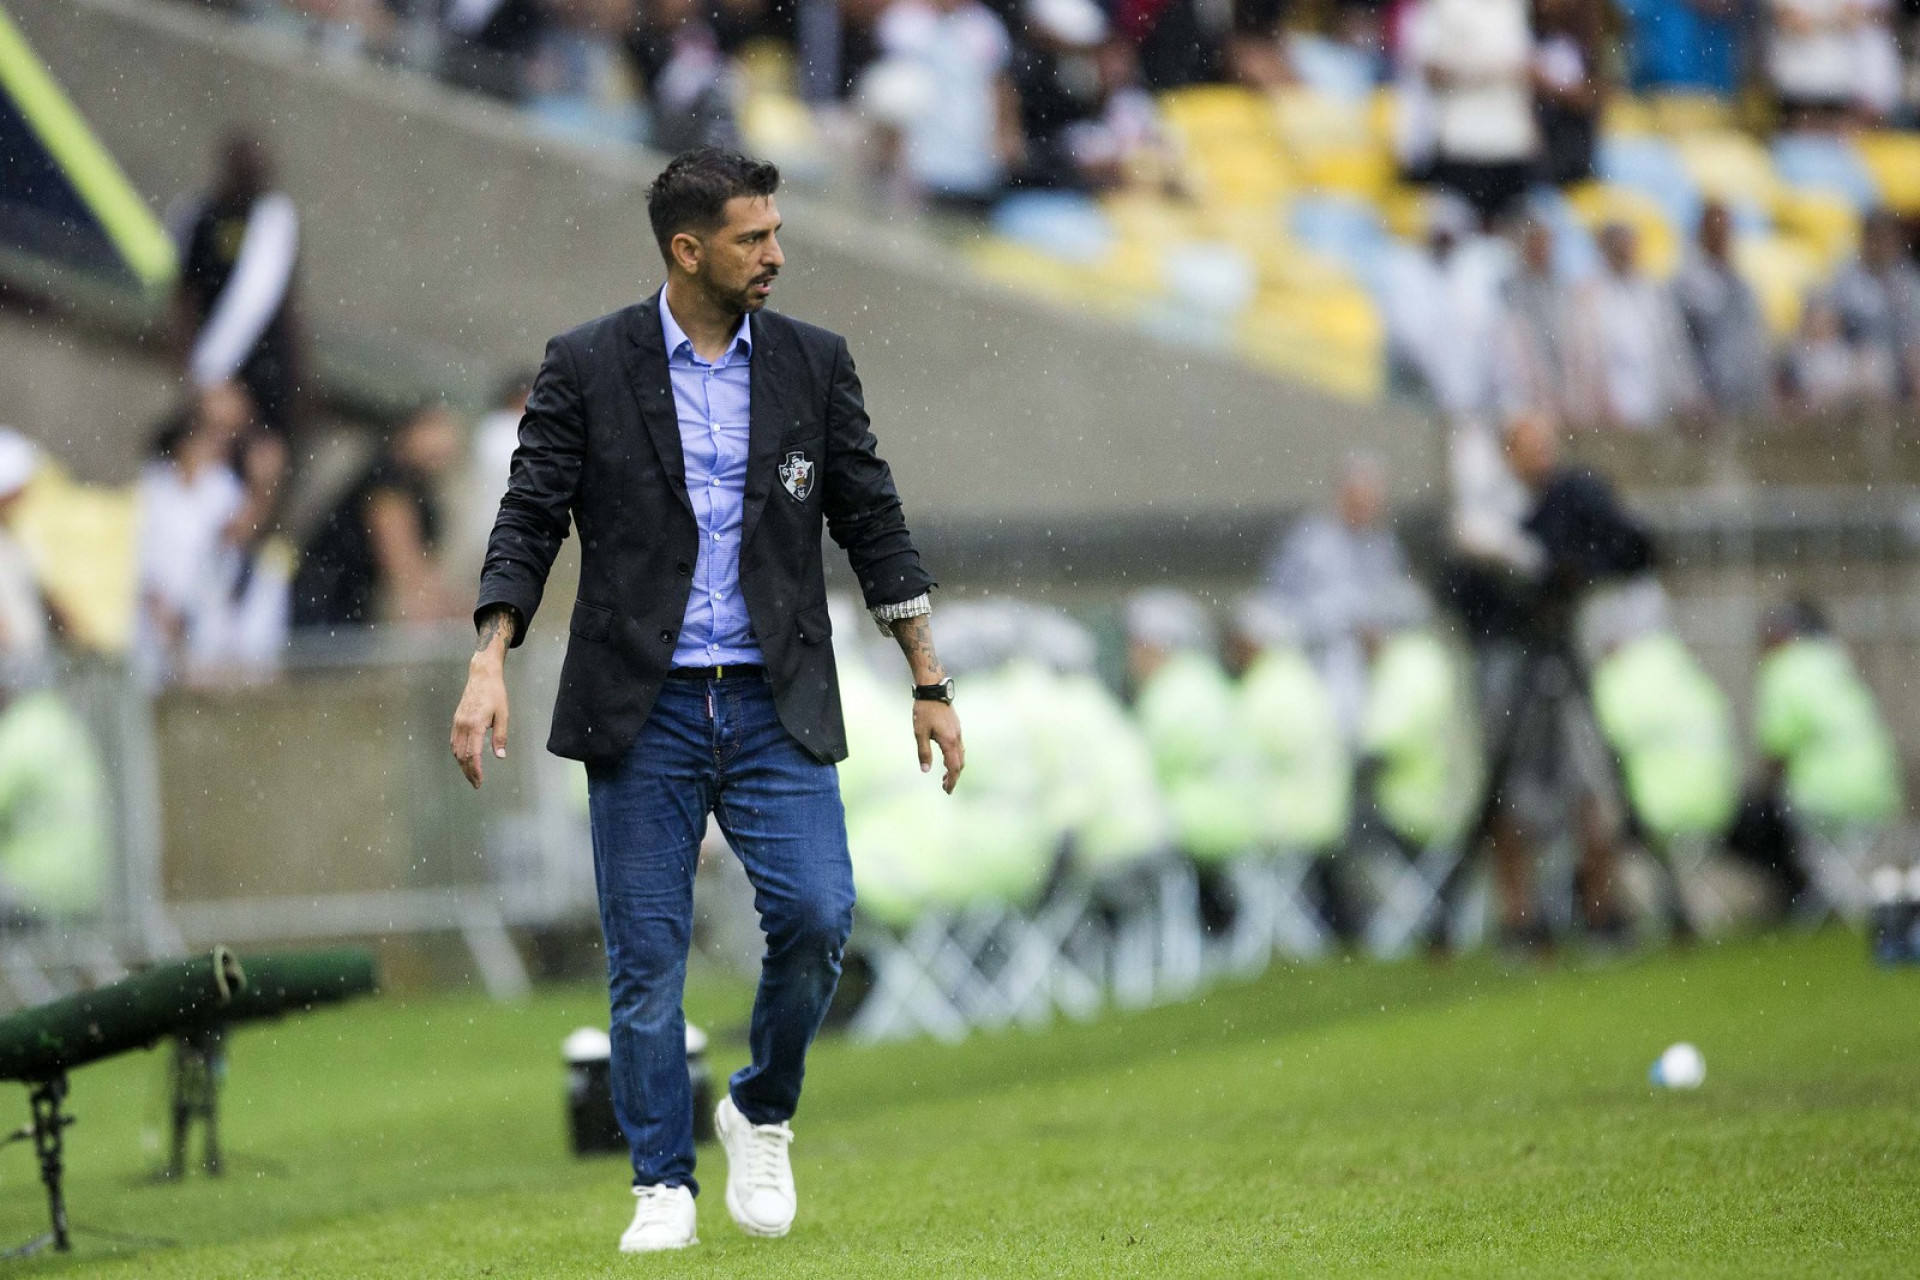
x=1652 y=167
x=1063 y=224
x=1825 y=164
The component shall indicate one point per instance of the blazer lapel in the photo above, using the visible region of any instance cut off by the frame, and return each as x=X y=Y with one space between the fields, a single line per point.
x=767 y=424
x=646 y=365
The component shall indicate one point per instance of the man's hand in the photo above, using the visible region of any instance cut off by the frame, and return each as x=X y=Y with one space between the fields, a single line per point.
x=937 y=722
x=482 y=714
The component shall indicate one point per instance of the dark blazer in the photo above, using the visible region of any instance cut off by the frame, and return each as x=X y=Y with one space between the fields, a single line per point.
x=600 y=443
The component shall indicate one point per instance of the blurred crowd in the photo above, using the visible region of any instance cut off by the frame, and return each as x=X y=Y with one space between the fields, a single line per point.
x=1487 y=327
x=972 y=97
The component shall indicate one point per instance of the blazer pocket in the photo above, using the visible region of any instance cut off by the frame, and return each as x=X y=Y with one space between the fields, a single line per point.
x=591 y=621
x=814 y=625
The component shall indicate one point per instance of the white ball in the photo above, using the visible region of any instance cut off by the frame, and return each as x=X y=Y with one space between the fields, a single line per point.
x=1680 y=1067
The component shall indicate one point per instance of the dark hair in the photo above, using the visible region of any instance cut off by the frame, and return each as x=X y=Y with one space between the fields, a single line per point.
x=691 y=193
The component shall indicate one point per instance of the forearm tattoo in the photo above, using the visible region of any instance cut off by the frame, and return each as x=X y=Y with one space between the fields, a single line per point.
x=915 y=636
x=498 y=622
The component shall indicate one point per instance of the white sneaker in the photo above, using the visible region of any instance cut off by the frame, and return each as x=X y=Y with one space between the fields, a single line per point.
x=759 y=1176
x=663 y=1219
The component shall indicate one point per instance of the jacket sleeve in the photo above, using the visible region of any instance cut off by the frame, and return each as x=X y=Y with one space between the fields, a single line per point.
x=537 y=508
x=861 y=505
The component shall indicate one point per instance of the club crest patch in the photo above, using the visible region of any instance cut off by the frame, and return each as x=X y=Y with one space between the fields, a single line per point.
x=796 y=473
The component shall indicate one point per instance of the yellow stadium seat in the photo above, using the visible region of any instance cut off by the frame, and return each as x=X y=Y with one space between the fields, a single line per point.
x=1239 y=173
x=1625 y=116
x=1205 y=112
x=1596 y=204
x=1683 y=113
x=1782 y=270
x=1823 y=220
x=1894 y=161
x=1729 y=166
x=1332 y=142
x=1330 y=339
x=83 y=537
x=779 y=127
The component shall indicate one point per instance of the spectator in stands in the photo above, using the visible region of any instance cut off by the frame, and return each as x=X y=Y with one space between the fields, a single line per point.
x=53 y=812
x=374 y=552
x=1632 y=367
x=943 y=84
x=1184 y=42
x=1827 y=374
x=234 y=315
x=691 y=82
x=1057 y=78
x=1538 y=314
x=1878 y=301
x=27 y=618
x=1334 y=572
x=1879 y=76
x=1477 y=59
x=1684 y=46
x=1829 y=765
x=1442 y=306
x=490 y=458
x=212 y=597
x=1568 y=88
x=1812 y=59
x=1726 y=331
x=489 y=44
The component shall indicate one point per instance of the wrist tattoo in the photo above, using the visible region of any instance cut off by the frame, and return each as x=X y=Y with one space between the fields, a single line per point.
x=498 y=622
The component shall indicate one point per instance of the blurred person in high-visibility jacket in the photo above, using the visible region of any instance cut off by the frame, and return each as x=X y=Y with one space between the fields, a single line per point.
x=1829 y=765
x=1669 y=726
x=1187 y=708
x=1303 y=796
x=53 y=811
x=1418 y=745
x=1098 y=766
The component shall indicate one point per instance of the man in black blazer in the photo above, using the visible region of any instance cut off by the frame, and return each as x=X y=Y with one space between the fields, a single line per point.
x=699 y=443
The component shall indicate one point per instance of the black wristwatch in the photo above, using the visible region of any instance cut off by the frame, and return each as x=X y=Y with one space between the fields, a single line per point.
x=942 y=692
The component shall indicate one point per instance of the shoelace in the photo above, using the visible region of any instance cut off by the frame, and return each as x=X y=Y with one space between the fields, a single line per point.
x=766 y=1151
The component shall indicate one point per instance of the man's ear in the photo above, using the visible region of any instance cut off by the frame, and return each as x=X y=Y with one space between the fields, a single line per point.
x=686 y=250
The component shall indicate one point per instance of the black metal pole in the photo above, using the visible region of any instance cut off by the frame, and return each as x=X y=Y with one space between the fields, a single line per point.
x=49 y=1124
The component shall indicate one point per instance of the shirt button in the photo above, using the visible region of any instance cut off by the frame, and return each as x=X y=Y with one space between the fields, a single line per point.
x=716 y=537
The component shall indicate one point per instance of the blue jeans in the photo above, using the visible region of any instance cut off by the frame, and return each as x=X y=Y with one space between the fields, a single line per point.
x=714 y=746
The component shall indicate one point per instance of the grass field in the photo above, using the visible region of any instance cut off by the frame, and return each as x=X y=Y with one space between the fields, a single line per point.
x=1346 y=1119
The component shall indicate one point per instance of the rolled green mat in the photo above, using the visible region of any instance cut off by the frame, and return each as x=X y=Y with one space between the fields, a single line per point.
x=40 y=1043
x=293 y=981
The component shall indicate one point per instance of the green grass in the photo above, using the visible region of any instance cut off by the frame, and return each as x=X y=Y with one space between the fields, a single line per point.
x=1351 y=1118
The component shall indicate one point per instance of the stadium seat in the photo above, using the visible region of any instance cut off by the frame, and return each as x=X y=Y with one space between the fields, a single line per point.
x=1830 y=166
x=1894 y=161
x=1782 y=270
x=1598 y=203
x=1821 y=219
x=1062 y=224
x=1652 y=168
x=1729 y=167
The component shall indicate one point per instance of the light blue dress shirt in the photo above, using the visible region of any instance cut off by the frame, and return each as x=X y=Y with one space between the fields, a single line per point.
x=714 y=403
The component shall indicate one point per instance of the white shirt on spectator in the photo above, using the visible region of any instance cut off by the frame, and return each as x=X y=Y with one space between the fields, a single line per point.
x=1811 y=55
x=951 y=142
x=231 y=607
x=1639 y=351
x=1481 y=52
x=1442 y=321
